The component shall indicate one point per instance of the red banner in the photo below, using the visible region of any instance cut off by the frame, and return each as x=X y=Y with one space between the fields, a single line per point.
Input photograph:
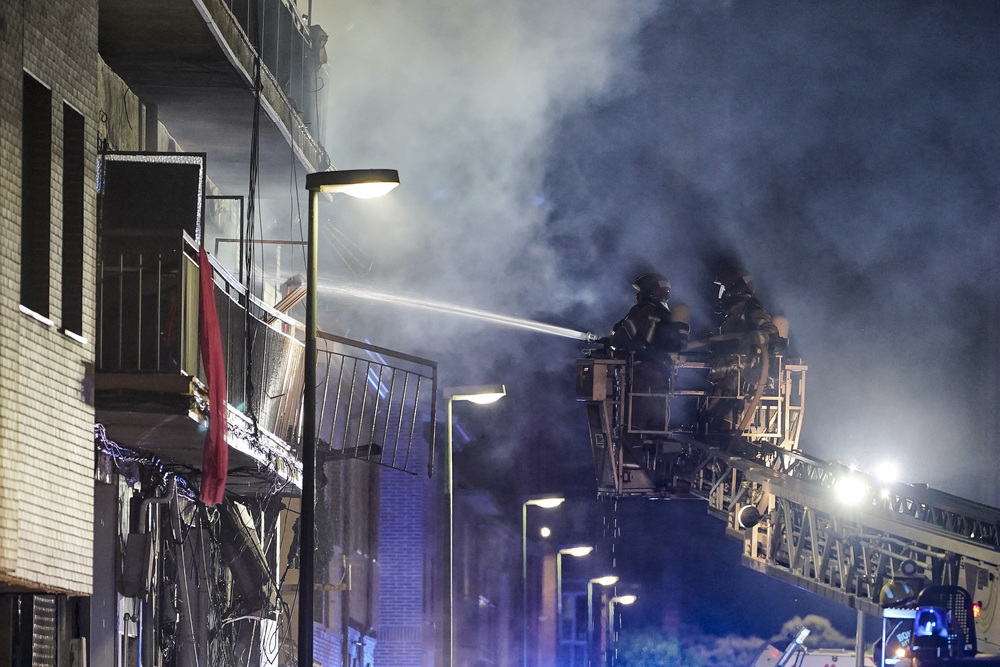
x=215 y=460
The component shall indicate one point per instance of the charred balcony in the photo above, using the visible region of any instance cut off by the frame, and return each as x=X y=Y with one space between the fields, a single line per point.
x=150 y=384
x=151 y=394
x=374 y=404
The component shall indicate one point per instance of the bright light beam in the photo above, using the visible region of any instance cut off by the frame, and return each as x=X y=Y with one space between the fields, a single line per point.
x=851 y=489
x=887 y=472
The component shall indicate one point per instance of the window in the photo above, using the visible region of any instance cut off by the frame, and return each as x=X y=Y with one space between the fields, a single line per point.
x=72 y=220
x=36 y=184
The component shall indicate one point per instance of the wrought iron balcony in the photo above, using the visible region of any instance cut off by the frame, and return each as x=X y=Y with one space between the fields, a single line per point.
x=373 y=404
x=151 y=390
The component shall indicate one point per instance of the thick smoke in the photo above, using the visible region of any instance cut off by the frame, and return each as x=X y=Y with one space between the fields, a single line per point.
x=464 y=99
x=550 y=151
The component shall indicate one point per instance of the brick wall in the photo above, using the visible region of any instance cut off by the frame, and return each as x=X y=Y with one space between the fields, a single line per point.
x=46 y=420
x=405 y=630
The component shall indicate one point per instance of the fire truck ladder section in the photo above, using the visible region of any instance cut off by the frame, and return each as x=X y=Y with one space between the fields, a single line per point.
x=818 y=525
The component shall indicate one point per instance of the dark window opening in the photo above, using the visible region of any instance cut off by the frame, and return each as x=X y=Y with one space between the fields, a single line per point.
x=72 y=221
x=36 y=185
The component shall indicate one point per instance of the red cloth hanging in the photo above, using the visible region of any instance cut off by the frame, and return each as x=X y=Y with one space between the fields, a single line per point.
x=215 y=459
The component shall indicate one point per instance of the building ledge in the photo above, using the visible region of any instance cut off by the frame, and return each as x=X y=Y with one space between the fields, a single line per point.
x=166 y=416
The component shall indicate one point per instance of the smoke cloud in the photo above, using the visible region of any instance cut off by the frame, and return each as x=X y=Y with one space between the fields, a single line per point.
x=550 y=152
x=464 y=99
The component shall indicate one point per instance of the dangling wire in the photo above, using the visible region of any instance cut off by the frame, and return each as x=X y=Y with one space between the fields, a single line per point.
x=252 y=196
x=294 y=192
x=615 y=531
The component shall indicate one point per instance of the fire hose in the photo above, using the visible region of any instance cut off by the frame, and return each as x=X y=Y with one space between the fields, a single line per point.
x=758 y=391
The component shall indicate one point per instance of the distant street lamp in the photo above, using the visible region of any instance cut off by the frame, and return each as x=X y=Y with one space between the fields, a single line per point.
x=365 y=184
x=544 y=503
x=481 y=396
x=608 y=580
x=620 y=599
x=577 y=552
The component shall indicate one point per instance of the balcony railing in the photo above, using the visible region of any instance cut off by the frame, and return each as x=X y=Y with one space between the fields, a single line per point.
x=148 y=324
x=373 y=403
x=288 y=48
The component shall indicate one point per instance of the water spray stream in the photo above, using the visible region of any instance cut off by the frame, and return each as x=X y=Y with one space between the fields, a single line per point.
x=531 y=325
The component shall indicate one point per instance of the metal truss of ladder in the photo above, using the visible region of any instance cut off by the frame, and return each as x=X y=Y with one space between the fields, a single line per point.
x=809 y=537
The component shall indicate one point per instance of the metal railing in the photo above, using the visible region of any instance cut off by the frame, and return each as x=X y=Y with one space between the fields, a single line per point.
x=373 y=403
x=286 y=47
x=148 y=324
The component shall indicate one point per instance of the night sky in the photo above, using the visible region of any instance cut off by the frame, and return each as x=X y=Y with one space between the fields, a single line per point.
x=847 y=152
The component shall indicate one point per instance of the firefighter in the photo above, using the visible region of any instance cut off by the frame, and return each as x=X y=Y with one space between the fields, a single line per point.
x=742 y=352
x=743 y=317
x=648 y=330
x=649 y=334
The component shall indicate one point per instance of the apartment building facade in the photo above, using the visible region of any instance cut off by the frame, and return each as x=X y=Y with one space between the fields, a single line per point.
x=134 y=136
x=48 y=220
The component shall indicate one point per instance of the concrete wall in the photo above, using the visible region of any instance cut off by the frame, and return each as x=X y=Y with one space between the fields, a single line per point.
x=46 y=413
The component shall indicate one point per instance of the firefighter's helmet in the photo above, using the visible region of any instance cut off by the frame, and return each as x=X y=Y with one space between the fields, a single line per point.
x=733 y=281
x=652 y=286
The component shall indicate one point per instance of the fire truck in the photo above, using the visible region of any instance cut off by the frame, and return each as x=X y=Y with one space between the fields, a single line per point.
x=796 y=655
x=819 y=525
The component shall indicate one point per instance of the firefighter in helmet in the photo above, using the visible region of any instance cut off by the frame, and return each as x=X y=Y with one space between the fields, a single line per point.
x=741 y=352
x=743 y=317
x=649 y=333
x=648 y=330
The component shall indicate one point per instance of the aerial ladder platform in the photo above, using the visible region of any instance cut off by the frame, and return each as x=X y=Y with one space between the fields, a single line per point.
x=818 y=525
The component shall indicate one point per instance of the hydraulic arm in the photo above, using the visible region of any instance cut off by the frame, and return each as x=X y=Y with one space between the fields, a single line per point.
x=818 y=525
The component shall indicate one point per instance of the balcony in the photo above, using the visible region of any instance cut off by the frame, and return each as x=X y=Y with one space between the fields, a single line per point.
x=374 y=404
x=150 y=384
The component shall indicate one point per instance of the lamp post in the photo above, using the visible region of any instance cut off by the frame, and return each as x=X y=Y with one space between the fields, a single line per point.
x=365 y=184
x=544 y=503
x=577 y=552
x=620 y=599
x=609 y=580
x=480 y=395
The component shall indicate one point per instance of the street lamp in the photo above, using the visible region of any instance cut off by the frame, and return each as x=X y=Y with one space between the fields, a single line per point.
x=620 y=599
x=544 y=503
x=577 y=552
x=608 y=580
x=481 y=396
x=363 y=183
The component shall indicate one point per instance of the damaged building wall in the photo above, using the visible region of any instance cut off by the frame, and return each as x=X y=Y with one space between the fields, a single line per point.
x=185 y=583
x=191 y=584
x=126 y=123
x=122 y=116
x=47 y=258
x=347 y=540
